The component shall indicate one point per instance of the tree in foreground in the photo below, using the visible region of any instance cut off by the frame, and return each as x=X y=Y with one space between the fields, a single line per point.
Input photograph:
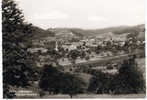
x=50 y=79
x=16 y=72
x=54 y=81
x=129 y=80
x=73 y=84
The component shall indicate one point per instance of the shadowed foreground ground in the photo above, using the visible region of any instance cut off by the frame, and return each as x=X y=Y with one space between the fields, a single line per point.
x=91 y=96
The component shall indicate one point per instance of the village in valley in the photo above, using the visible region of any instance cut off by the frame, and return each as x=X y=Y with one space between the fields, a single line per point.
x=86 y=48
x=65 y=62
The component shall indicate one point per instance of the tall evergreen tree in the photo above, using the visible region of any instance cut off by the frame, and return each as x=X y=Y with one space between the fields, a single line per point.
x=15 y=56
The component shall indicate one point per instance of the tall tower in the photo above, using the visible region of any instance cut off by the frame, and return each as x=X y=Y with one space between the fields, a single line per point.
x=56 y=45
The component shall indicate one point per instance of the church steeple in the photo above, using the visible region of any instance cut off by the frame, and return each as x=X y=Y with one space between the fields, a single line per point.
x=56 y=46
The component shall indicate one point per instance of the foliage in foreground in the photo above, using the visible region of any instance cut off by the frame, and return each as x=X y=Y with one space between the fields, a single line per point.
x=129 y=80
x=55 y=81
x=16 y=71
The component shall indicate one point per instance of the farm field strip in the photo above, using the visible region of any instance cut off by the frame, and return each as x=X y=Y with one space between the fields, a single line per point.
x=103 y=60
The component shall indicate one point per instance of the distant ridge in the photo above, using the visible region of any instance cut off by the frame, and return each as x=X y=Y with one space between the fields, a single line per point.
x=77 y=32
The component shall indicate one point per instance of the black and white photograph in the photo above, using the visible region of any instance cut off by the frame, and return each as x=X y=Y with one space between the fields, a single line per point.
x=73 y=49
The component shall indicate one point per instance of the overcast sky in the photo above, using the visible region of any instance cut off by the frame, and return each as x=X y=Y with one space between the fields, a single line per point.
x=83 y=13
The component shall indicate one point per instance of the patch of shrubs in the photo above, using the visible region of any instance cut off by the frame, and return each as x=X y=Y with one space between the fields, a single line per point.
x=129 y=80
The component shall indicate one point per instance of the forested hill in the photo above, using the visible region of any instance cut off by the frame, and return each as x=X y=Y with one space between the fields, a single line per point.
x=41 y=33
x=77 y=32
x=116 y=30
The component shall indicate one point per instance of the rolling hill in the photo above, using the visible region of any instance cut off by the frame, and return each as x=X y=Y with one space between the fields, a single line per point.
x=138 y=30
x=116 y=30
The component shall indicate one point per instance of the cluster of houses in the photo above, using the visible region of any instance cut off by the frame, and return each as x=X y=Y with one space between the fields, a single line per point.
x=46 y=43
x=42 y=45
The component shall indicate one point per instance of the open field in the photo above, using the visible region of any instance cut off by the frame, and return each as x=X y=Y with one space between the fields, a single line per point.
x=104 y=60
